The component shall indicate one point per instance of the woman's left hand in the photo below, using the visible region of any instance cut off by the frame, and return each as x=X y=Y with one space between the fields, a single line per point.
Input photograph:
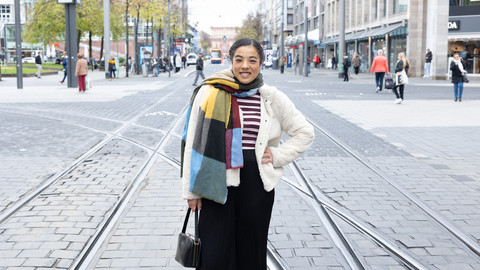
x=267 y=156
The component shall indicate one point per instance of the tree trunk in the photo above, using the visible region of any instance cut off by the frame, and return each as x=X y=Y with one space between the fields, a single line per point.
x=101 y=51
x=137 y=62
x=79 y=34
x=90 y=44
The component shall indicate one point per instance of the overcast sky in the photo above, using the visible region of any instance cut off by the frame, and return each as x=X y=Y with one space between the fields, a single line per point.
x=210 y=13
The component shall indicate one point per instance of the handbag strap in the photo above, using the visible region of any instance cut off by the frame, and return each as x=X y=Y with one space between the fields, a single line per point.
x=186 y=221
x=184 y=229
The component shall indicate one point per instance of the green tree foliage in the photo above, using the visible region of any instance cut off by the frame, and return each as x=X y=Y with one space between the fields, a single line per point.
x=46 y=24
x=252 y=27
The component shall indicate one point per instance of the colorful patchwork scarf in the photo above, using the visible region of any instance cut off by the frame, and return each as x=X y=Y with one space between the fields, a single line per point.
x=217 y=144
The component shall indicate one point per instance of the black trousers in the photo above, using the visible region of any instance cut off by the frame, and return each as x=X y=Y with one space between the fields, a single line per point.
x=234 y=235
x=345 y=74
x=401 y=87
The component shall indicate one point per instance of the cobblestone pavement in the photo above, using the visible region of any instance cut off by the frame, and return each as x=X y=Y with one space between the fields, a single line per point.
x=426 y=147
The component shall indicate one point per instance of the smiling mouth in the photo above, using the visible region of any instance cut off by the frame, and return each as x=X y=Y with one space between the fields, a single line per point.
x=244 y=74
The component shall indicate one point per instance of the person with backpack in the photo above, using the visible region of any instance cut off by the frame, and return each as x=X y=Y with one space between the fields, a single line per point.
x=346 y=64
x=356 y=63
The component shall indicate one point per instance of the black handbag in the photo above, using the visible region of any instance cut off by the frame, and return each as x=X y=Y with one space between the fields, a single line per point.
x=189 y=246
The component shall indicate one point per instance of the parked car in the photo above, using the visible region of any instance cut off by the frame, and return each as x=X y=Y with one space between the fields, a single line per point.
x=29 y=60
x=191 y=59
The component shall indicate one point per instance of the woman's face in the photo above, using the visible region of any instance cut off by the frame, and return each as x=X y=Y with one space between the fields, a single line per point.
x=456 y=57
x=246 y=64
x=399 y=57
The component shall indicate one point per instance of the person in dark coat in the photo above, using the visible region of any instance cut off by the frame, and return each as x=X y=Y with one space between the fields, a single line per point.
x=346 y=64
x=457 y=66
x=38 y=63
x=199 y=69
x=402 y=64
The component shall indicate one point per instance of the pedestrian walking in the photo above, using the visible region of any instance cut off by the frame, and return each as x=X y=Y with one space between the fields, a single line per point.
x=199 y=65
x=93 y=62
x=457 y=66
x=356 y=62
x=234 y=229
x=334 y=62
x=155 y=67
x=308 y=64
x=297 y=62
x=112 y=68
x=428 y=64
x=346 y=64
x=316 y=60
x=64 y=64
x=379 y=66
x=178 y=62
x=400 y=69
x=38 y=63
x=81 y=71
x=184 y=61
x=281 y=64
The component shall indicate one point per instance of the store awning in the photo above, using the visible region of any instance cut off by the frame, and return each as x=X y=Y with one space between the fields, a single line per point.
x=295 y=40
x=382 y=31
x=374 y=32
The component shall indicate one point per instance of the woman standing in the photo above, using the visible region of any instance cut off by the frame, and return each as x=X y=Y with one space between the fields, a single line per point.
x=458 y=71
x=380 y=67
x=81 y=71
x=112 y=68
x=356 y=63
x=402 y=64
x=233 y=106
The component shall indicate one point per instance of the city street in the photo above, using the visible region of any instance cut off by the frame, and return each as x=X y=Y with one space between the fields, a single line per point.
x=91 y=180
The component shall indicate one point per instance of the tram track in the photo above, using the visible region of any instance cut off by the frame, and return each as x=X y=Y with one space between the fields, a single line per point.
x=437 y=217
x=326 y=208
x=109 y=136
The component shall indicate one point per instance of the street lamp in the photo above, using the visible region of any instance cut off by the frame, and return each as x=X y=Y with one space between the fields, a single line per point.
x=71 y=39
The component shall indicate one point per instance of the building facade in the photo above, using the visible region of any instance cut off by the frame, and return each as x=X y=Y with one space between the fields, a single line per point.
x=464 y=33
x=223 y=38
x=394 y=26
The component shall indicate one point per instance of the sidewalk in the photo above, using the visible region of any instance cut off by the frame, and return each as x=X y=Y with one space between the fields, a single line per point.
x=49 y=89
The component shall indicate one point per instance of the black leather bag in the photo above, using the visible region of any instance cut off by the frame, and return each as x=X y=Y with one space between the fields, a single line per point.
x=189 y=246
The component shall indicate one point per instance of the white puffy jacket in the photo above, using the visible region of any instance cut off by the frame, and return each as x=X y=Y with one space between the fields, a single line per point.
x=278 y=113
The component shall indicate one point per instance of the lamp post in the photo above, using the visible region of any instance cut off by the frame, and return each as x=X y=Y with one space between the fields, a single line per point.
x=106 y=32
x=168 y=38
x=305 y=46
x=18 y=45
x=341 y=41
x=71 y=39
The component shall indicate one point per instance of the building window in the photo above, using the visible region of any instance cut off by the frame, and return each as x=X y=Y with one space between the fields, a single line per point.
x=315 y=22
x=5 y=12
x=400 y=6
x=289 y=3
x=289 y=18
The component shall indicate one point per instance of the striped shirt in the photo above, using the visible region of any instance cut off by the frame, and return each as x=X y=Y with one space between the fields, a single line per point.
x=250 y=108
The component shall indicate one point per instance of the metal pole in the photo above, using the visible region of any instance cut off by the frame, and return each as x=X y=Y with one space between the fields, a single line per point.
x=168 y=38
x=341 y=41
x=282 y=30
x=18 y=45
x=305 y=48
x=106 y=37
x=71 y=44
x=127 y=42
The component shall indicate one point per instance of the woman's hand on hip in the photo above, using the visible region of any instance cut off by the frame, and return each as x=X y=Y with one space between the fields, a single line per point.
x=267 y=156
x=194 y=204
